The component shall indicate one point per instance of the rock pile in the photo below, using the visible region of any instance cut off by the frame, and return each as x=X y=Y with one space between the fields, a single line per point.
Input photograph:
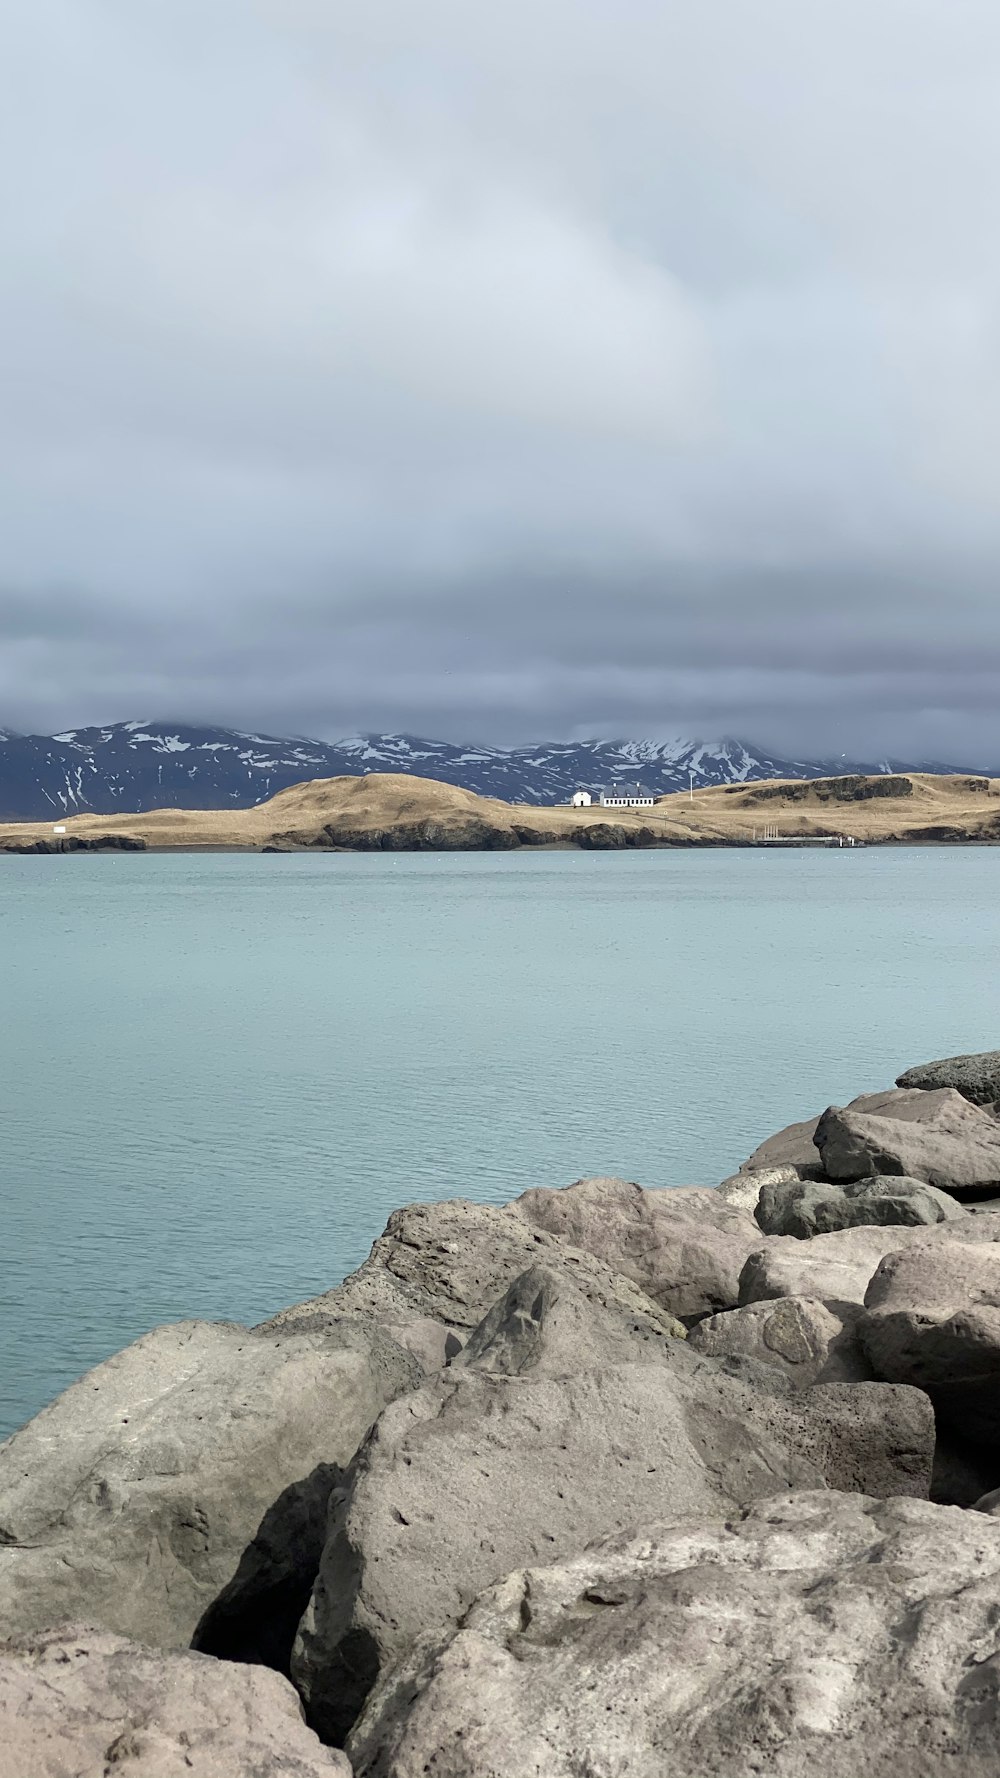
x=603 y=1481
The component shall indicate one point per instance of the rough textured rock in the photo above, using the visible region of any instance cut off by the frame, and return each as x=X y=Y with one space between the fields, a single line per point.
x=838 y=1267
x=550 y=1324
x=807 y=1207
x=976 y=1077
x=450 y=1262
x=75 y=842
x=833 y=1268
x=935 y=1136
x=819 y=1636
x=475 y=1474
x=684 y=1248
x=790 y=1147
x=933 y=1319
x=743 y=1189
x=808 y=1341
x=131 y=1499
x=81 y=1703
x=795 y=1145
x=432 y=1343
x=989 y=1504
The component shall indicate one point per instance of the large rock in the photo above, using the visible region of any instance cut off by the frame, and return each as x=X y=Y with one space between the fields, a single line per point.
x=131 y=1499
x=935 y=1136
x=791 y=1147
x=80 y=1703
x=808 y=1341
x=933 y=1319
x=839 y=1267
x=684 y=1248
x=976 y=1077
x=822 y=1635
x=807 y=1207
x=795 y=1145
x=743 y=1189
x=831 y=1268
x=448 y=1263
x=476 y=1474
x=551 y=1324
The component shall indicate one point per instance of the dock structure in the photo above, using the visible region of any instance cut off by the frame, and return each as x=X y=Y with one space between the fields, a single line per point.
x=769 y=836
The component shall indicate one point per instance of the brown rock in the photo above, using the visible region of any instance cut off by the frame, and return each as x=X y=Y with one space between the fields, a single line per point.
x=816 y=1635
x=936 y=1136
x=684 y=1248
x=474 y=1474
x=807 y=1340
x=933 y=1319
x=80 y=1703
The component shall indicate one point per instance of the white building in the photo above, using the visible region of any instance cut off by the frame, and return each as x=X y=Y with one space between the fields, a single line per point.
x=627 y=796
x=581 y=799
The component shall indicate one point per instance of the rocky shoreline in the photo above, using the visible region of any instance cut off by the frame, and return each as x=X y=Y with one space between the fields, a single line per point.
x=606 y=1481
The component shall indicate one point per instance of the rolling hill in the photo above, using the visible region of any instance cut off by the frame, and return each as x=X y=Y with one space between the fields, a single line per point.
x=396 y=812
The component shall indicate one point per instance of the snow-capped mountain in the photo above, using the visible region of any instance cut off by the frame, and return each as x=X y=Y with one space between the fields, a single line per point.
x=130 y=766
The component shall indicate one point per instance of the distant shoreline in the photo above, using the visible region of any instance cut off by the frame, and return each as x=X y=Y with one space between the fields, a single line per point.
x=395 y=812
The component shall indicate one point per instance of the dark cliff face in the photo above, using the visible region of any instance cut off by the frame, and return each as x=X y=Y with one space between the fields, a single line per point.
x=855 y=787
x=130 y=767
x=72 y=842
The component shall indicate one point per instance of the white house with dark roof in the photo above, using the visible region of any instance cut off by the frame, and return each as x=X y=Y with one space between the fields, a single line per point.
x=627 y=796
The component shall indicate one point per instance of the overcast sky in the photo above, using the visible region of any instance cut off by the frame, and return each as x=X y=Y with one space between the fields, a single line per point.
x=504 y=370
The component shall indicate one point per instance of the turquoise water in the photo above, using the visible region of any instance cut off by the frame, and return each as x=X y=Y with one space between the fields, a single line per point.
x=220 y=1073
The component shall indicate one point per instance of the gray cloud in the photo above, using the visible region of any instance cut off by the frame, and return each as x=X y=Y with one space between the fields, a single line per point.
x=507 y=372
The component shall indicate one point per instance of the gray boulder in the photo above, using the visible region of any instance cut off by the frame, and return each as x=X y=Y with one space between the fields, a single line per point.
x=808 y=1341
x=551 y=1324
x=743 y=1189
x=976 y=1077
x=791 y=1147
x=795 y=1146
x=131 y=1499
x=476 y=1474
x=831 y=1268
x=838 y=1267
x=807 y=1207
x=934 y=1136
x=432 y=1343
x=820 y=1634
x=933 y=1319
x=448 y=1263
x=684 y=1248
x=80 y=1703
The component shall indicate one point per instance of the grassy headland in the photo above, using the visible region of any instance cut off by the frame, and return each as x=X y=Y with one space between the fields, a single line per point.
x=394 y=812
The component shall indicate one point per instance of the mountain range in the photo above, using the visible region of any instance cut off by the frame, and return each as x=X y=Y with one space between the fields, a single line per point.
x=129 y=767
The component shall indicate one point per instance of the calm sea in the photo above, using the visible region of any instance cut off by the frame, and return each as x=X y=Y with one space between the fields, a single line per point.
x=220 y=1073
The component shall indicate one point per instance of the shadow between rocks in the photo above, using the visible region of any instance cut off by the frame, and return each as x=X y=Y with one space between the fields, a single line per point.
x=257 y=1613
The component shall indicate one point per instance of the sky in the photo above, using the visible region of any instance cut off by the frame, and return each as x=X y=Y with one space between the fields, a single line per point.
x=504 y=372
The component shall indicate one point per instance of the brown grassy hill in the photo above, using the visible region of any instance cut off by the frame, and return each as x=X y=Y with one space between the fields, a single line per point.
x=918 y=808
x=394 y=812
x=383 y=810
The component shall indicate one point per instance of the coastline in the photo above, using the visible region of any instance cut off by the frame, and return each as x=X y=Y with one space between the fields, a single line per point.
x=388 y=812
x=570 y=1470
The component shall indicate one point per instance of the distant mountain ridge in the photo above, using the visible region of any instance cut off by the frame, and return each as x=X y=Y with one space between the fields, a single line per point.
x=130 y=767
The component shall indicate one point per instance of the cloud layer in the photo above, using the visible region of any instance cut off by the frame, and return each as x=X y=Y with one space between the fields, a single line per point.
x=504 y=371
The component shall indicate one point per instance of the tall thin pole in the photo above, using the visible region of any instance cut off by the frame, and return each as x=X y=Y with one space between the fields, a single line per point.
x=690 y=786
